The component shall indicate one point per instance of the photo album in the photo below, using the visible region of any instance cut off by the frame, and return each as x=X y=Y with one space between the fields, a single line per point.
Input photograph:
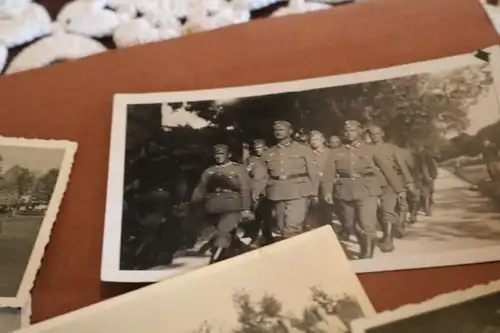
x=33 y=178
x=305 y=284
x=399 y=162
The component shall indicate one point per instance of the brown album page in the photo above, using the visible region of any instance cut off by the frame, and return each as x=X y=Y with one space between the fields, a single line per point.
x=73 y=101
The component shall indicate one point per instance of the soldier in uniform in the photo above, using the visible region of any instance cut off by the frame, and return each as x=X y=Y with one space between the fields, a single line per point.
x=225 y=190
x=320 y=209
x=289 y=177
x=352 y=177
x=262 y=206
x=391 y=203
x=428 y=168
x=334 y=142
x=415 y=194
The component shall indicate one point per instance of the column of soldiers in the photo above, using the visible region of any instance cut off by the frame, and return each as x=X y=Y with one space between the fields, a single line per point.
x=285 y=188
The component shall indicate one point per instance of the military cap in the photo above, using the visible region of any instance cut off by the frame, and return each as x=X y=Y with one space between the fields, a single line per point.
x=316 y=133
x=352 y=124
x=282 y=123
x=374 y=129
x=221 y=148
x=259 y=142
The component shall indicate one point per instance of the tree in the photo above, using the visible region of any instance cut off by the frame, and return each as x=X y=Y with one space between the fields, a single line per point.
x=19 y=182
x=414 y=110
x=45 y=185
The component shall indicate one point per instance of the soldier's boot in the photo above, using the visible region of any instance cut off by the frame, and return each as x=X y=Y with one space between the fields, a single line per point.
x=386 y=244
x=427 y=207
x=368 y=247
x=216 y=255
x=400 y=228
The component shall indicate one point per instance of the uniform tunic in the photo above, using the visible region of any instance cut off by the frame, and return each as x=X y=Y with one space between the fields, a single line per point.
x=352 y=175
x=289 y=176
x=236 y=181
x=393 y=155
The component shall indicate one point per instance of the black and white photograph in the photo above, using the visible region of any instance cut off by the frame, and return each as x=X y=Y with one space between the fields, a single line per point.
x=14 y=318
x=475 y=310
x=401 y=162
x=33 y=177
x=286 y=287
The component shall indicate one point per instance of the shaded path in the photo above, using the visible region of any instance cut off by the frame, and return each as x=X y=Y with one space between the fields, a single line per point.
x=461 y=219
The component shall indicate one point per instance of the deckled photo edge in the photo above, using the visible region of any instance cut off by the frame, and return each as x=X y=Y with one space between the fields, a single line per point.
x=110 y=270
x=320 y=236
x=432 y=304
x=43 y=238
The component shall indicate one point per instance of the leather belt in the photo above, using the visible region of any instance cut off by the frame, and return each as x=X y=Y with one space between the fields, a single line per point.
x=356 y=175
x=288 y=177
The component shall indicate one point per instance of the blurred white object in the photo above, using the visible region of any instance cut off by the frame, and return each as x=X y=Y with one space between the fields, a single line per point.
x=23 y=24
x=89 y=18
x=493 y=13
x=255 y=4
x=11 y=8
x=141 y=31
x=58 y=47
x=3 y=56
x=299 y=6
x=199 y=20
x=132 y=7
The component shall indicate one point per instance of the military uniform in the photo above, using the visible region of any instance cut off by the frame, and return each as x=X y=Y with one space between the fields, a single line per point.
x=226 y=191
x=428 y=168
x=289 y=177
x=353 y=177
x=390 y=201
x=418 y=181
x=322 y=211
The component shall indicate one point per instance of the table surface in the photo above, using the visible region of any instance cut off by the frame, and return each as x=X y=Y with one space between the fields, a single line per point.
x=73 y=101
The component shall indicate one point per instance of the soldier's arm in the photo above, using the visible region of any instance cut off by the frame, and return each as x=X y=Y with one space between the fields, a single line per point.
x=312 y=170
x=260 y=178
x=246 y=188
x=201 y=189
x=389 y=173
x=403 y=166
x=328 y=179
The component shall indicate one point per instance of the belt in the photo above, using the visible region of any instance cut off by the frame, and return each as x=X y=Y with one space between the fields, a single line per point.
x=356 y=175
x=288 y=177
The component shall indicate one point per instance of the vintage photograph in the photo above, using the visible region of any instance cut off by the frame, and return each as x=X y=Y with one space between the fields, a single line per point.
x=401 y=162
x=286 y=287
x=13 y=319
x=475 y=310
x=33 y=178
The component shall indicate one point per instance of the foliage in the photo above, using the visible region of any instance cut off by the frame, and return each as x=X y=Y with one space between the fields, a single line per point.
x=45 y=185
x=414 y=110
x=268 y=316
x=18 y=182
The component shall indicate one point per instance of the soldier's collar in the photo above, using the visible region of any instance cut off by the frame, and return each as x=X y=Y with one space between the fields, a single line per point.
x=319 y=150
x=354 y=144
x=283 y=145
x=224 y=165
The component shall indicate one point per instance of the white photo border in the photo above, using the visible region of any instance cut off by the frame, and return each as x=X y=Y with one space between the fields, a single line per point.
x=110 y=267
x=35 y=260
x=361 y=325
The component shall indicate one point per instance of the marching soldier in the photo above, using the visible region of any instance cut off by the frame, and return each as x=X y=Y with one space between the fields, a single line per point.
x=334 y=142
x=428 y=167
x=321 y=209
x=289 y=177
x=390 y=200
x=352 y=177
x=262 y=206
x=416 y=193
x=225 y=190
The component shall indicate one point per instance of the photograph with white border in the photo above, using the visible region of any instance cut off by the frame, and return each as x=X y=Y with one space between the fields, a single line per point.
x=13 y=319
x=33 y=178
x=305 y=284
x=474 y=310
x=401 y=162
